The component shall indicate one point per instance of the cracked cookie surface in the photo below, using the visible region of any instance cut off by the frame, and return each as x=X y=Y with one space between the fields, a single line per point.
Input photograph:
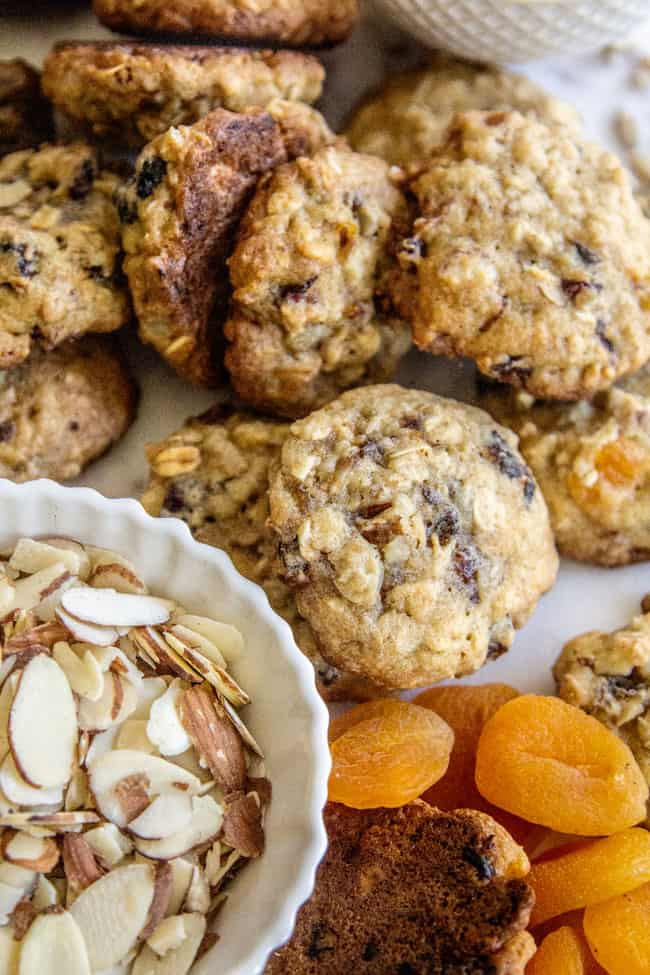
x=179 y=215
x=413 y=890
x=530 y=255
x=25 y=116
x=214 y=474
x=59 y=250
x=62 y=409
x=304 y=323
x=408 y=118
x=135 y=92
x=592 y=462
x=284 y=21
x=608 y=676
x=412 y=533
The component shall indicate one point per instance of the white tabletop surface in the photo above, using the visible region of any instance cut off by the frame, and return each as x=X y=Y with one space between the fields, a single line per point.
x=584 y=597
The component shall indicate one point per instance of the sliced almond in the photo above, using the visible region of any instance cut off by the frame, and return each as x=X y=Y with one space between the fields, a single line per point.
x=45 y=895
x=57 y=821
x=99 y=636
x=21 y=793
x=217 y=875
x=242 y=825
x=70 y=545
x=169 y=934
x=182 y=871
x=165 y=659
x=217 y=676
x=109 y=844
x=198 y=642
x=165 y=815
x=214 y=737
x=101 y=743
x=10 y=896
x=117 y=702
x=31 y=590
x=38 y=854
x=133 y=735
x=16 y=876
x=161 y=897
x=117 y=576
x=113 y=912
x=157 y=776
x=164 y=728
x=54 y=944
x=176 y=961
x=6 y=700
x=43 y=635
x=243 y=731
x=225 y=637
x=106 y=607
x=30 y=556
x=22 y=917
x=149 y=691
x=7 y=595
x=207 y=817
x=198 y=895
x=81 y=867
x=77 y=792
x=43 y=749
x=84 y=673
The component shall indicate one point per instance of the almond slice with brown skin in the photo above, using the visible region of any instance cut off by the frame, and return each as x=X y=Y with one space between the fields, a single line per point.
x=118 y=701
x=182 y=871
x=176 y=961
x=53 y=945
x=207 y=817
x=242 y=825
x=58 y=821
x=115 y=575
x=31 y=556
x=217 y=676
x=21 y=793
x=31 y=590
x=99 y=636
x=245 y=734
x=161 y=898
x=79 y=863
x=106 y=607
x=225 y=637
x=43 y=635
x=39 y=854
x=21 y=919
x=214 y=737
x=164 y=816
x=83 y=672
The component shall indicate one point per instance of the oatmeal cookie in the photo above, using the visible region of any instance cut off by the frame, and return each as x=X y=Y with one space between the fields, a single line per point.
x=179 y=214
x=294 y=22
x=413 y=890
x=25 y=116
x=214 y=474
x=592 y=462
x=413 y=534
x=59 y=250
x=132 y=93
x=62 y=409
x=409 y=116
x=304 y=323
x=530 y=255
x=608 y=676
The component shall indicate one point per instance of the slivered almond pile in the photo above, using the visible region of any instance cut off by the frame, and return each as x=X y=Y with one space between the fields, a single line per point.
x=130 y=788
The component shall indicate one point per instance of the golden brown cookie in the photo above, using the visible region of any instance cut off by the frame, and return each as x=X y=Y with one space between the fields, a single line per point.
x=530 y=255
x=413 y=891
x=132 y=93
x=59 y=250
x=412 y=533
x=214 y=474
x=592 y=462
x=25 y=116
x=179 y=214
x=305 y=324
x=62 y=409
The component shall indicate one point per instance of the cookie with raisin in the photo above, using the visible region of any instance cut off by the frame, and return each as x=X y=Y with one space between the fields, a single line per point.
x=25 y=115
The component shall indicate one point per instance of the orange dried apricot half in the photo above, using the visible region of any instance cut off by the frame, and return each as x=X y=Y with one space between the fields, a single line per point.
x=550 y=763
x=617 y=932
x=391 y=758
x=590 y=874
x=559 y=952
x=369 y=709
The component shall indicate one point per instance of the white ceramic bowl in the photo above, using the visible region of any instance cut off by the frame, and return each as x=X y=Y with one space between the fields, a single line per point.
x=286 y=715
x=516 y=30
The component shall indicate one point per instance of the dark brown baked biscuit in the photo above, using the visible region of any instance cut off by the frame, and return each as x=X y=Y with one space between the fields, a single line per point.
x=288 y=22
x=25 y=116
x=62 y=409
x=413 y=891
x=133 y=92
x=179 y=214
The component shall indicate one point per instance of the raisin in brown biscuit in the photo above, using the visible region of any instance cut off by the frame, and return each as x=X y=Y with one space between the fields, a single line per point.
x=287 y=22
x=179 y=214
x=214 y=474
x=530 y=255
x=132 y=93
x=304 y=323
x=25 y=116
x=413 y=534
x=409 y=116
x=62 y=409
x=59 y=250
x=413 y=891
x=592 y=462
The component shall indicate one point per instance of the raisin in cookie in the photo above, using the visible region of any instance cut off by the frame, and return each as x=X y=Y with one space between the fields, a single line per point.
x=414 y=536
x=25 y=116
x=214 y=474
x=287 y=22
x=179 y=214
x=608 y=676
x=592 y=462
x=529 y=255
x=132 y=93
x=409 y=116
x=62 y=409
x=304 y=323
x=59 y=250
x=413 y=891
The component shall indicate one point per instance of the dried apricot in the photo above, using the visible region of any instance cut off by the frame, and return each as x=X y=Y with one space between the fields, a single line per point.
x=560 y=951
x=369 y=709
x=391 y=758
x=617 y=932
x=590 y=874
x=550 y=763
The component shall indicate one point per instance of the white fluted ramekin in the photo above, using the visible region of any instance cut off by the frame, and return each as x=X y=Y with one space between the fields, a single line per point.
x=517 y=30
x=286 y=715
